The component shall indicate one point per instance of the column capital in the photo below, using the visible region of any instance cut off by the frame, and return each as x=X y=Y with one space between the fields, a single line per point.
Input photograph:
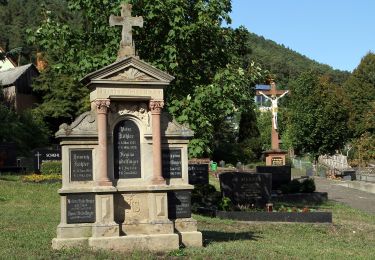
x=102 y=105
x=156 y=106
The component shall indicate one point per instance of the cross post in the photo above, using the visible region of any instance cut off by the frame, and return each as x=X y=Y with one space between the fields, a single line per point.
x=127 y=22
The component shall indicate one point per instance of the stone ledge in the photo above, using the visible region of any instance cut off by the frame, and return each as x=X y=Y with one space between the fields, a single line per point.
x=160 y=242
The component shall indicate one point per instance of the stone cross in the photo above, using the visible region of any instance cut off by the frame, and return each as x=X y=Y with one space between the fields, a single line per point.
x=127 y=22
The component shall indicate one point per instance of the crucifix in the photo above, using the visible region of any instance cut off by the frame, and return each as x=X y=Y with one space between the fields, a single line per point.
x=38 y=158
x=275 y=95
x=127 y=22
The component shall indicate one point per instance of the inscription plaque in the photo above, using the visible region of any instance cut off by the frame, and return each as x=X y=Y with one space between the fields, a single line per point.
x=81 y=165
x=246 y=188
x=179 y=204
x=80 y=208
x=127 y=152
x=198 y=174
x=171 y=160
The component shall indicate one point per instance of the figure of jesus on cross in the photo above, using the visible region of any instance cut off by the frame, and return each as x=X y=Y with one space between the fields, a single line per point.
x=274 y=100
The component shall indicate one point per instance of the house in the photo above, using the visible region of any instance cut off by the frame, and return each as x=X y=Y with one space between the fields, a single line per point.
x=260 y=100
x=16 y=84
x=6 y=63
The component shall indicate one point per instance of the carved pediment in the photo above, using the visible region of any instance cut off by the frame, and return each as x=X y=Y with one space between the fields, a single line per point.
x=170 y=127
x=130 y=74
x=83 y=126
x=128 y=71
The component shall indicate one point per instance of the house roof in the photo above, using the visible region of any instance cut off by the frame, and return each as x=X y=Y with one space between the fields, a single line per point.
x=10 y=76
x=7 y=63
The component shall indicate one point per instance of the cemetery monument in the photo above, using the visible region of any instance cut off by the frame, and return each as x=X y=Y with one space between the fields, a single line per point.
x=275 y=156
x=125 y=162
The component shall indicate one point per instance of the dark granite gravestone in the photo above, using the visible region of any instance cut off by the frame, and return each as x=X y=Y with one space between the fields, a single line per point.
x=127 y=152
x=80 y=208
x=171 y=161
x=281 y=175
x=8 y=155
x=246 y=188
x=81 y=165
x=198 y=174
x=45 y=155
x=179 y=204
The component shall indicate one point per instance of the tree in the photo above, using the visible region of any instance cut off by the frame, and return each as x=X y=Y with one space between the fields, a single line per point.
x=183 y=38
x=317 y=115
x=360 y=88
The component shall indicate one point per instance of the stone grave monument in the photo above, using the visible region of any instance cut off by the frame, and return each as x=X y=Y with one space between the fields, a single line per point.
x=125 y=162
x=246 y=188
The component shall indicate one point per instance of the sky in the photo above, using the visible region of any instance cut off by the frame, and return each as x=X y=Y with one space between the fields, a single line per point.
x=334 y=32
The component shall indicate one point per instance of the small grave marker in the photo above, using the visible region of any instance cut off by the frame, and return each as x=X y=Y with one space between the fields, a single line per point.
x=45 y=155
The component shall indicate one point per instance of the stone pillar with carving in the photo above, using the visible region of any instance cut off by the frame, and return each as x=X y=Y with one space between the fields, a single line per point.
x=102 y=106
x=156 y=106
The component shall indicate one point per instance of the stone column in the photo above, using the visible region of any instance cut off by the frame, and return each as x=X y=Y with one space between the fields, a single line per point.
x=156 y=107
x=274 y=139
x=102 y=106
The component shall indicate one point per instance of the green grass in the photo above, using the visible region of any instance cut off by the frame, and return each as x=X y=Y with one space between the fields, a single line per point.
x=29 y=215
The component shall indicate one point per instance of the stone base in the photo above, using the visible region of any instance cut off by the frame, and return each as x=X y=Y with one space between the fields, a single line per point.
x=147 y=228
x=61 y=243
x=187 y=230
x=161 y=242
x=275 y=157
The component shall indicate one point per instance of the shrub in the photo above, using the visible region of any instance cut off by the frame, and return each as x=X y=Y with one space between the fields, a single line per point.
x=38 y=178
x=52 y=167
x=205 y=196
x=298 y=185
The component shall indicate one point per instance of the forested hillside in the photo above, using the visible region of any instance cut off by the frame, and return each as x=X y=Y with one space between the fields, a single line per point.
x=287 y=64
x=18 y=15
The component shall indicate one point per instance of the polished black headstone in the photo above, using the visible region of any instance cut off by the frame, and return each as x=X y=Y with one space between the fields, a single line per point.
x=281 y=175
x=127 y=151
x=171 y=161
x=179 y=204
x=80 y=208
x=198 y=174
x=246 y=188
x=81 y=165
x=45 y=155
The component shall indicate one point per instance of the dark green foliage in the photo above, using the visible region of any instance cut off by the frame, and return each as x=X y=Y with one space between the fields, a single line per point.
x=205 y=196
x=318 y=113
x=26 y=130
x=52 y=167
x=360 y=88
x=297 y=186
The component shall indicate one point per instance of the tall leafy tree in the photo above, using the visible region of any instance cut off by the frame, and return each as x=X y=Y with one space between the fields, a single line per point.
x=360 y=87
x=318 y=115
x=183 y=38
